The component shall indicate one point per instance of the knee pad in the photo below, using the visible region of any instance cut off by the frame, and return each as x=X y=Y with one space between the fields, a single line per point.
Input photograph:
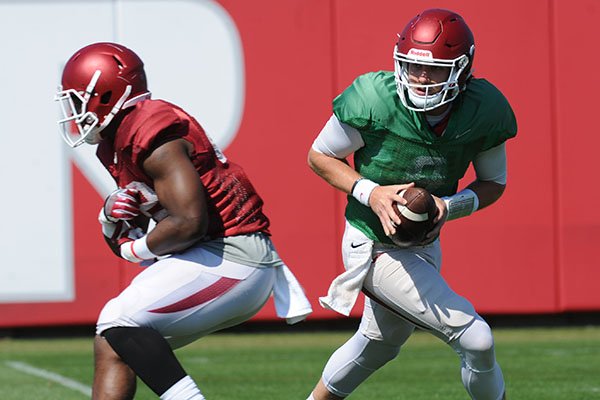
x=354 y=362
x=476 y=346
x=477 y=337
x=481 y=375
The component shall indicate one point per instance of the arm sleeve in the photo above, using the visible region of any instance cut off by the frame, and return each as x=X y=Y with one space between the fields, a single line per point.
x=338 y=139
x=490 y=165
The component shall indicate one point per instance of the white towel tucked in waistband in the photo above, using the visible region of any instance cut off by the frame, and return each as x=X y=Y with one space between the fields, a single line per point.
x=357 y=252
x=290 y=301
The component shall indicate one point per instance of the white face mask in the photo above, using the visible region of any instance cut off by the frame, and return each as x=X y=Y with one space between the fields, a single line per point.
x=449 y=89
x=77 y=126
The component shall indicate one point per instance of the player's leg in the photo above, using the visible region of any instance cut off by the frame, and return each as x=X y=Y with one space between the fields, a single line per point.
x=481 y=374
x=155 y=363
x=113 y=379
x=147 y=353
x=138 y=348
x=377 y=341
x=180 y=301
x=408 y=283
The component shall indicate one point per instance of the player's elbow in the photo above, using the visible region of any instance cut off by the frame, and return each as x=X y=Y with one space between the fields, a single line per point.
x=194 y=228
x=319 y=162
x=498 y=189
x=189 y=230
x=311 y=159
x=489 y=192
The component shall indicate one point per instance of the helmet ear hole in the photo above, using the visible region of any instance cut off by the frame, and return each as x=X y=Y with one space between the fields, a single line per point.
x=119 y=63
x=105 y=98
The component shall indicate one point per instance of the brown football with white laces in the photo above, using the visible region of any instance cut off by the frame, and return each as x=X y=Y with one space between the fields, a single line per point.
x=416 y=216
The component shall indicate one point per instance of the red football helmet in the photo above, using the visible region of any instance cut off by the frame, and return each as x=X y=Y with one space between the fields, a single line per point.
x=98 y=81
x=439 y=38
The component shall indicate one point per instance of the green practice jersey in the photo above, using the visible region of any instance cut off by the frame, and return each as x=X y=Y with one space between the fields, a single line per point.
x=400 y=147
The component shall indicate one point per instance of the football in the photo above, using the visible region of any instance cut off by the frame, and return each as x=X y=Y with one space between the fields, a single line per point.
x=416 y=216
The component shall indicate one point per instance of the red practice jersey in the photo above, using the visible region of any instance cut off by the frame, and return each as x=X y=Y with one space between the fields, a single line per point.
x=234 y=207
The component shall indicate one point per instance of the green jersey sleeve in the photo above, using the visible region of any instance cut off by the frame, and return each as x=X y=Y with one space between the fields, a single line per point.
x=485 y=109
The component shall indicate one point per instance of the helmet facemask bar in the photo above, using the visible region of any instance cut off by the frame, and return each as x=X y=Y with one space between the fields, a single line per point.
x=75 y=115
x=74 y=110
x=77 y=124
x=449 y=88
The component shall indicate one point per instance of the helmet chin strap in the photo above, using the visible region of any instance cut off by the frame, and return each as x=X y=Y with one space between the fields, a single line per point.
x=94 y=136
x=134 y=100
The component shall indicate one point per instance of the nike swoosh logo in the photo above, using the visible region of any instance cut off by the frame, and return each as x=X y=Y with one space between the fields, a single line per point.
x=353 y=245
x=462 y=134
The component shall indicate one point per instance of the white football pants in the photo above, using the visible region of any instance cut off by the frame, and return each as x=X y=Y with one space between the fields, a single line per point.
x=188 y=297
x=406 y=290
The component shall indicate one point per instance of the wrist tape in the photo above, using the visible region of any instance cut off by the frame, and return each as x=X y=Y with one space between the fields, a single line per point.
x=361 y=190
x=137 y=250
x=461 y=204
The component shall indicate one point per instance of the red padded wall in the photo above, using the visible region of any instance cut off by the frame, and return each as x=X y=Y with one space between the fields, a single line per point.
x=529 y=253
x=576 y=84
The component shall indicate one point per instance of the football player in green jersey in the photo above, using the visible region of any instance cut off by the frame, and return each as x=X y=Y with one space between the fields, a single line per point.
x=422 y=124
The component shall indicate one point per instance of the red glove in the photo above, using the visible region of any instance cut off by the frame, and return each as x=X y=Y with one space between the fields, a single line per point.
x=122 y=205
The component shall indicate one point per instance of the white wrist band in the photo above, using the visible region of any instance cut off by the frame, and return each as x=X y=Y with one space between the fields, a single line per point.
x=361 y=190
x=461 y=204
x=137 y=250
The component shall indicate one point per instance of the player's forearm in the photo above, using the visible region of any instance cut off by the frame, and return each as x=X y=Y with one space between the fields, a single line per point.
x=174 y=234
x=334 y=171
x=487 y=192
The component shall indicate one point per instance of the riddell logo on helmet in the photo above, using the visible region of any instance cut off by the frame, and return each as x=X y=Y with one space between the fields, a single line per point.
x=420 y=53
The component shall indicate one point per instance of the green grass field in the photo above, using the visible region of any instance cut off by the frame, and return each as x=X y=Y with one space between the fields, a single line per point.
x=538 y=364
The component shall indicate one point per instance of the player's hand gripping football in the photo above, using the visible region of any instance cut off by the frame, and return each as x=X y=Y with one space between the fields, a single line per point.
x=119 y=234
x=438 y=221
x=382 y=201
x=122 y=205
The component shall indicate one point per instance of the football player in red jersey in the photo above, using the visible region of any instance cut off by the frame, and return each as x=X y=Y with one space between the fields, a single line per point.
x=210 y=263
x=422 y=124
